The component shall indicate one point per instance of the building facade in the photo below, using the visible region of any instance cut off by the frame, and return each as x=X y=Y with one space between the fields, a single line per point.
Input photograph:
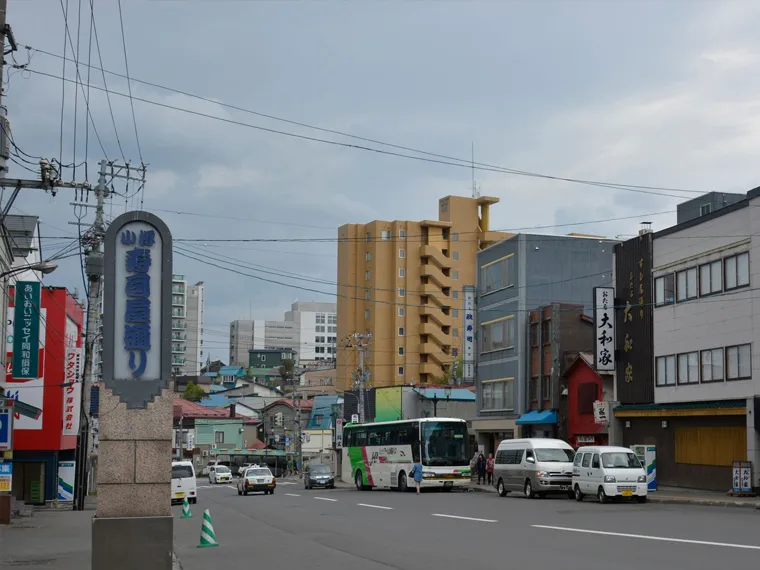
x=696 y=402
x=515 y=276
x=403 y=281
x=187 y=327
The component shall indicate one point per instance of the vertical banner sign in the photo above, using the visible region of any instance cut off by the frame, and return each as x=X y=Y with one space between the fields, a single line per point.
x=6 y=477
x=339 y=433
x=26 y=330
x=29 y=390
x=468 y=364
x=6 y=429
x=66 y=472
x=136 y=331
x=604 y=329
x=72 y=391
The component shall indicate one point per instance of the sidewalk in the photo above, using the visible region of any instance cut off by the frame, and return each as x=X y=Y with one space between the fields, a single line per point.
x=677 y=496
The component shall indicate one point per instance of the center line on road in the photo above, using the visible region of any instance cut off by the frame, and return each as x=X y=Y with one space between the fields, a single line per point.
x=292 y=495
x=647 y=537
x=326 y=499
x=465 y=518
x=375 y=506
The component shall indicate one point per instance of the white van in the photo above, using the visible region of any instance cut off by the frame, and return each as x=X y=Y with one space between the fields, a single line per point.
x=608 y=472
x=183 y=482
x=536 y=467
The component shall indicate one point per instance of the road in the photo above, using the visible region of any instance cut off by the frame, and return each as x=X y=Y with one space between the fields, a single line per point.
x=379 y=529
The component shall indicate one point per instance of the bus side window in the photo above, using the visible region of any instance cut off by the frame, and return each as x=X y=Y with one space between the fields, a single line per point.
x=361 y=437
x=416 y=452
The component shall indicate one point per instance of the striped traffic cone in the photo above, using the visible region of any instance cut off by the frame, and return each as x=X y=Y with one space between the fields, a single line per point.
x=186 y=514
x=208 y=538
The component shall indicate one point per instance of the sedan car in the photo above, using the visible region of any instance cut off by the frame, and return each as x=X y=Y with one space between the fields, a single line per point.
x=219 y=474
x=256 y=480
x=318 y=475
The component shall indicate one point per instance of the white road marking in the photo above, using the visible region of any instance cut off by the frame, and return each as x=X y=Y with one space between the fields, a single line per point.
x=231 y=487
x=374 y=506
x=647 y=537
x=465 y=518
x=291 y=495
x=287 y=483
x=326 y=499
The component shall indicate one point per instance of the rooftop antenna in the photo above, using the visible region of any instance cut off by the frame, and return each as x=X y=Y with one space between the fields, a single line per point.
x=475 y=190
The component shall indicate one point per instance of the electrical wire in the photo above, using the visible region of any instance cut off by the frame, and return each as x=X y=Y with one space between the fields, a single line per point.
x=65 y=11
x=129 y=82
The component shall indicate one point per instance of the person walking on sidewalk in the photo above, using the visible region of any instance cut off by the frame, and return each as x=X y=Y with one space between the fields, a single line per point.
x=489 y=468
x=417 y=475
x=481 y=469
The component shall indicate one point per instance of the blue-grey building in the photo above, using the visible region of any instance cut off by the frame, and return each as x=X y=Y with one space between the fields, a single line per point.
x=515 y=276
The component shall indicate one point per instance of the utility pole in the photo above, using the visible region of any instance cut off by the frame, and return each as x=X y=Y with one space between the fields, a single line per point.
x=361 y=377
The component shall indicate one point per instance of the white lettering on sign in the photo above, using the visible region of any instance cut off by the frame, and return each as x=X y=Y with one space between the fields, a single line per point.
x=468 y=364
x=604 y=328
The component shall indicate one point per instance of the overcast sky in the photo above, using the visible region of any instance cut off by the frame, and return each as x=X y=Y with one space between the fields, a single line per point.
x=648 y=93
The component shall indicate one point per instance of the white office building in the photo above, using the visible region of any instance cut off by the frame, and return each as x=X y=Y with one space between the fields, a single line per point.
x=187 y=327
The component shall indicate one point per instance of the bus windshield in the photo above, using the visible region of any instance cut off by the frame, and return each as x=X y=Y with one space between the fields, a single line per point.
x=444 y=444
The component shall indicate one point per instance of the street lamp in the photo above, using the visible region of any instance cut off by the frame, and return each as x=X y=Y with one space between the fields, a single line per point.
x=446 y=392
x=44 y=267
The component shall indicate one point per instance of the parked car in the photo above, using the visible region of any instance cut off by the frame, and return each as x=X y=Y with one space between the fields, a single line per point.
x=536 y=467
x=256 y=480
x=609 y=472
x=318 y=475
x=183 y=482
x=219 y=474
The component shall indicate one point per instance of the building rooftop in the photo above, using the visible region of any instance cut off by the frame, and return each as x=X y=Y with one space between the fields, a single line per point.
x=457 y=394
x=187 y=409
x=21 y=230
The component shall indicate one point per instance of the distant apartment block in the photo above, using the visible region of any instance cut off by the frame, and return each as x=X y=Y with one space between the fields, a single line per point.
x=187 y=327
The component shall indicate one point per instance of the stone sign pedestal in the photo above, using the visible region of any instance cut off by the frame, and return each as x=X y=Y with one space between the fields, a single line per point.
x=133 y=527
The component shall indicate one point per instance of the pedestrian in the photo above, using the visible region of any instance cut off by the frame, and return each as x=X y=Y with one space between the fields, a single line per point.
x=290 y=467
x=481 y=469
x=417 y=475
x=489 y=468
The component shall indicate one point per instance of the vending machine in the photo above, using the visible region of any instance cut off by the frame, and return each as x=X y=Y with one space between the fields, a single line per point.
x=648 y=456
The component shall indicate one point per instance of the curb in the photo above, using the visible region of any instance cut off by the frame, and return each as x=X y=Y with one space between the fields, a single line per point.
x=675 y=501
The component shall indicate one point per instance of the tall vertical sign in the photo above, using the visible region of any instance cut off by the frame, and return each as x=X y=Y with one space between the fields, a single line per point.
x=72 y=391
x=26 y=330
x=468 y=325
x=604 y=329
x=136 y=331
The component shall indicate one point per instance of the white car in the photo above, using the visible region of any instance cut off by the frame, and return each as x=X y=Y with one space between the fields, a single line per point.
x=256 y=480
x=608 y=472
x=219 y=474
x=183 y=482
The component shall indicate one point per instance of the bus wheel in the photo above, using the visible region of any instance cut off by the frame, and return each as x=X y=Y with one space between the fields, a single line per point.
x=402 y=484
x=358 y=481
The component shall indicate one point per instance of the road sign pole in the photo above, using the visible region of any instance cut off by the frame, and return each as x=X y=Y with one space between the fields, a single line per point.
x=6 y=466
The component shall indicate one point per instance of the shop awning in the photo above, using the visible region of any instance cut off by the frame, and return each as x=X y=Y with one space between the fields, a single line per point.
x=535 y=417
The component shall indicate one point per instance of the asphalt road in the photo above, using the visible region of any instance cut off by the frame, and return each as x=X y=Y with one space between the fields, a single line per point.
x=379 y=529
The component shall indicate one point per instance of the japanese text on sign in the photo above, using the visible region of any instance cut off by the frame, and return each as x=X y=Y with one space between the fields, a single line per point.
x=468 y=368
x=72 y=391
x=137 y=325
x=26 y=330
x=604 y=326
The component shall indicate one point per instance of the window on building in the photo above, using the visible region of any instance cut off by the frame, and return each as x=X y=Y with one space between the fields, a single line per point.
x=332 y=329
x=710 y=278
x=218 y=437
x=369 y=236
x=688 y=368
x=455 y=275
x=736 y=271
x=401 y=252
x=739 y=362
x=686 y=284
x=455 y=333
x=666 y=370
x=368 y=294
x=455 y=293
x=498 y=335
x=401 y=311
x=546 y=390
x=454 y=313
x=400 y=370
x=368 y=256
x=319 y=328
x=385 y=235
x=497 y=394
x=454 y=352
x=664 y=290
x=366 y=313
x=705 y=209
x=319 y=339
x=332 y=319
x=401 y=351
x=497 y=275
x=455 y=255
x=455 y=236
x=401 y=292
x=546 y=327
x=712 y=365
x=401 y=272
x=401 y=331
x=320 y=318
x=367 y=275
x=402 y=234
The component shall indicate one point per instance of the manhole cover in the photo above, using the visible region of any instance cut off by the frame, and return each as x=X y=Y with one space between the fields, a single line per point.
x=27 y=563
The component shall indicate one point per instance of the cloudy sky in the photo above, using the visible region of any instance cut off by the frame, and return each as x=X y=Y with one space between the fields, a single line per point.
x=660 y=94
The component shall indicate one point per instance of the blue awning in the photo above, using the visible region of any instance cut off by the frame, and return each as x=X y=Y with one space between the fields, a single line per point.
x=536 y=417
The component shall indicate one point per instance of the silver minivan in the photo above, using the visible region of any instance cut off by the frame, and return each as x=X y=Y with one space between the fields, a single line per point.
x=536 y=467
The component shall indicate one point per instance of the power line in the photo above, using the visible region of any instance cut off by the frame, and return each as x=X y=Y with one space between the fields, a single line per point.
x=631 y=188
x=468 y=163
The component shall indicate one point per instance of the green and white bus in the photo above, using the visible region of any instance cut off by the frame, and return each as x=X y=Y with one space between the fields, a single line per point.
x=380 y=455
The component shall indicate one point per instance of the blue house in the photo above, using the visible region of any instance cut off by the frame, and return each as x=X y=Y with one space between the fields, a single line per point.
x=321 y=412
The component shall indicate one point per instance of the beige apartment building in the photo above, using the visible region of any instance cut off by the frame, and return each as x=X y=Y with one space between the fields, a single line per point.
x=402 y=281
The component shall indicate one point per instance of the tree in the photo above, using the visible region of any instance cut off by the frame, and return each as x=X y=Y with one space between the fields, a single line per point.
x=249 y=373
x=193 y=392
x=286 y=371
x=456 y=370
